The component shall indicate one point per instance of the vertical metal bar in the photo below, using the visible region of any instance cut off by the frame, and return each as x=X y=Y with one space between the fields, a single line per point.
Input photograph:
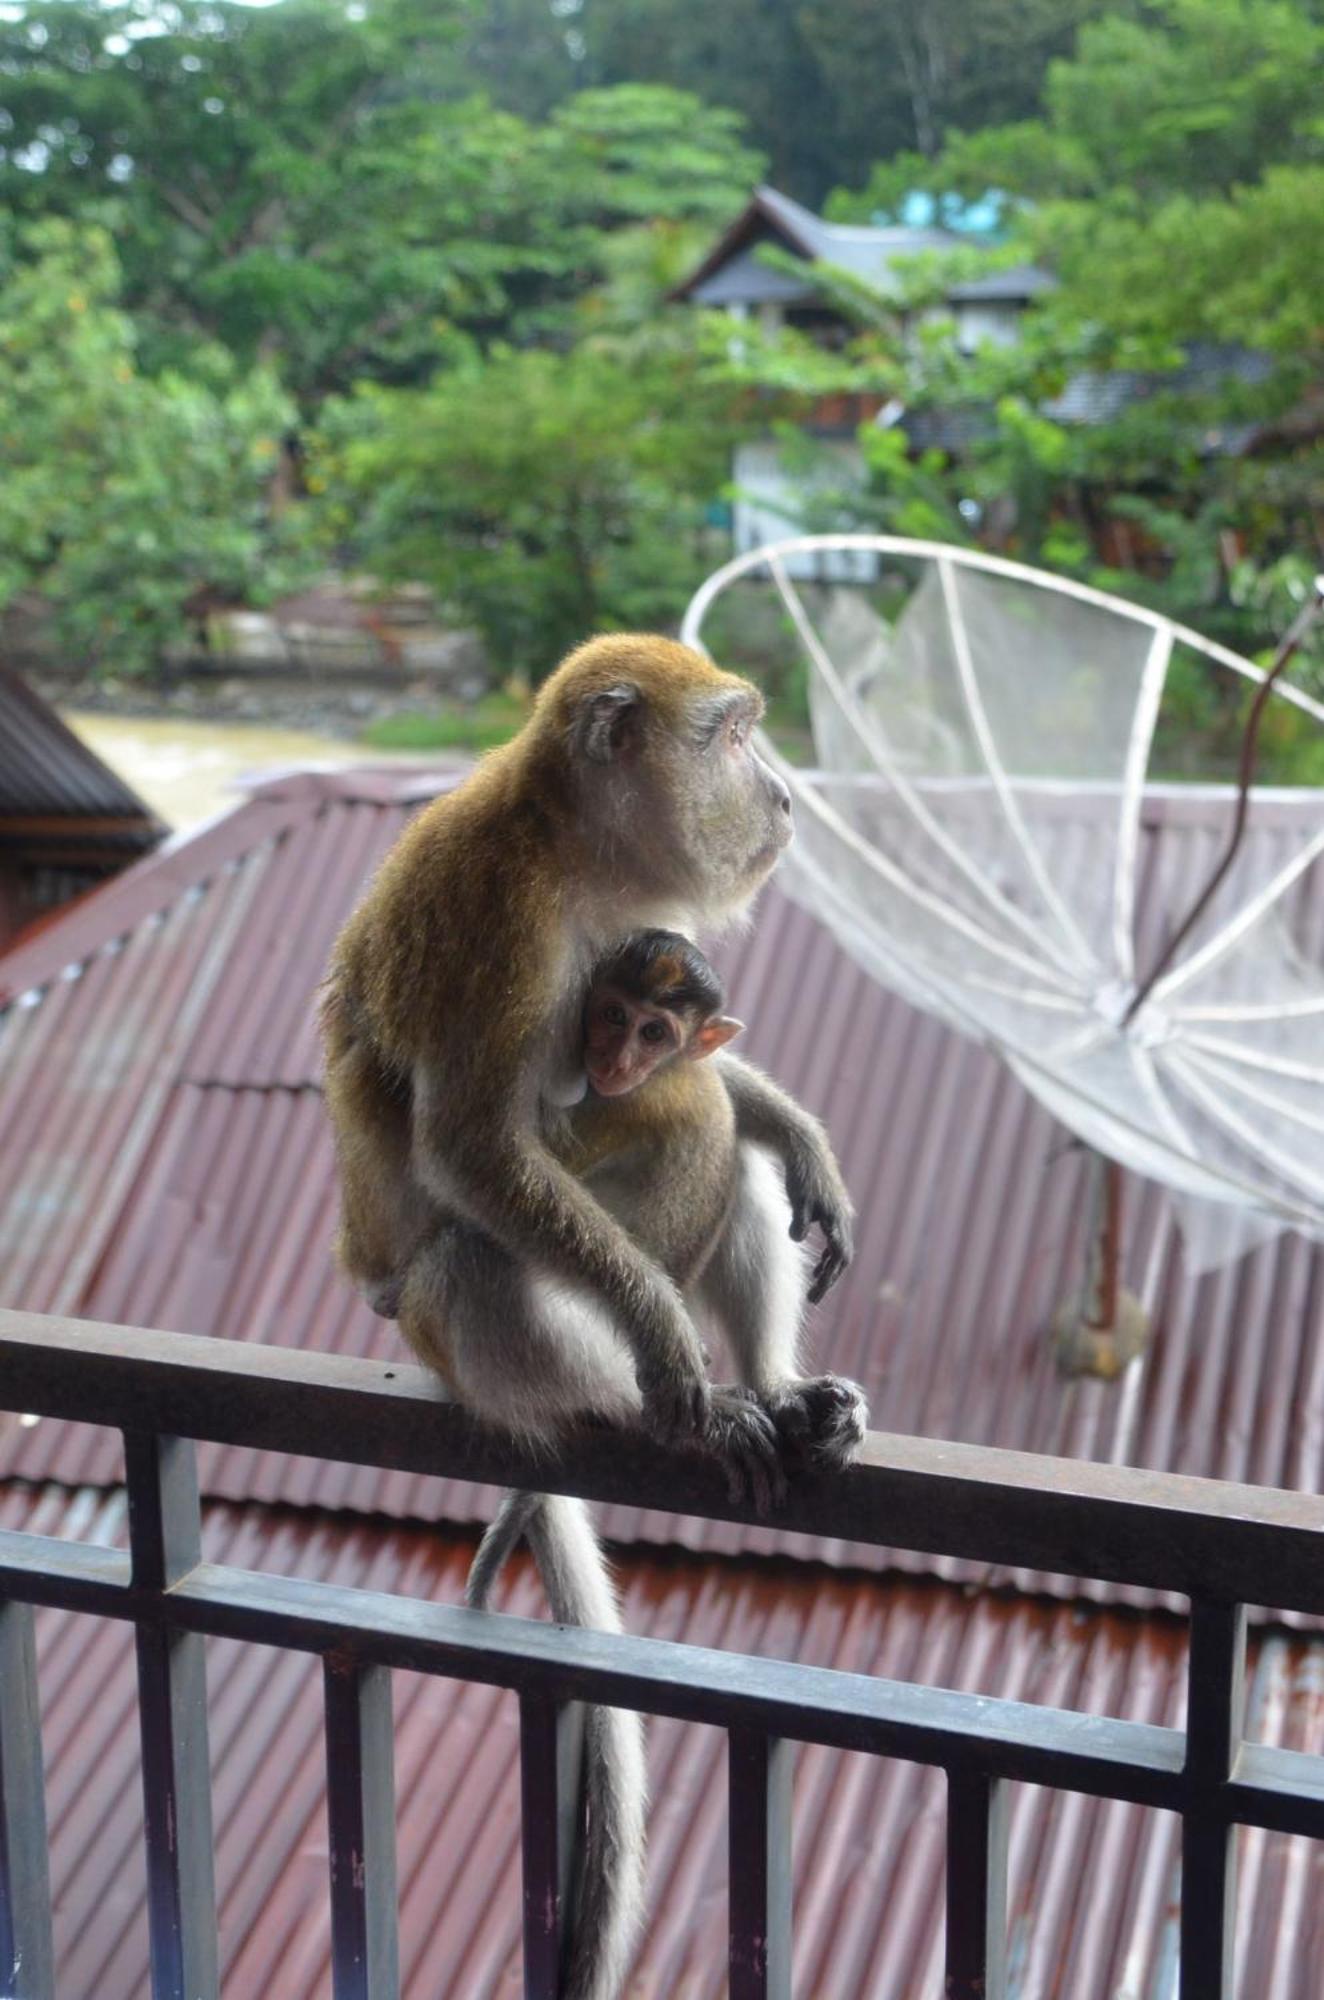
x=760 y=1770
x=27 y=1960
x=1215 y=1717
x=551 y=1803
x=165 y=1543
x=976 y=1887
x=360 y=1805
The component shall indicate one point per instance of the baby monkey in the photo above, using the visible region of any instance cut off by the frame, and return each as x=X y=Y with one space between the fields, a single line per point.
x=694 y=1160
x=652 y=1001
x=706 y=1167
x=654 y=1132
x=649 y=1132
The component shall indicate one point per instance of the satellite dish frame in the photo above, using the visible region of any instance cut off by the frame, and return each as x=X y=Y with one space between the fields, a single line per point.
x=1105 y=1327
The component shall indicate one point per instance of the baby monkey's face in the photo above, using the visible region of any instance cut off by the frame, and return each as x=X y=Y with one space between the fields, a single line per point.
x=627 y=1039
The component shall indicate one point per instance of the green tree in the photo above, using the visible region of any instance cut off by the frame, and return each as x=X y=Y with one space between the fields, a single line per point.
x=921 y=69
x=1188 y=98
x=751 y=56
x=546 y=496
x=650 y=176
x=316 y=186
x=826 y=87
x=527 y=55
x=1172 y=187
x=125 y=497
x=305 y=183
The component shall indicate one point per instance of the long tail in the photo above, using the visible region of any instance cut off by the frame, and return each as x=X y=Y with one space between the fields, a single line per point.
x=609 y=1884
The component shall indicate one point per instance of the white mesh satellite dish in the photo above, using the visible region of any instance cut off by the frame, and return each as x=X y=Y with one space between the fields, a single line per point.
x=968 y=713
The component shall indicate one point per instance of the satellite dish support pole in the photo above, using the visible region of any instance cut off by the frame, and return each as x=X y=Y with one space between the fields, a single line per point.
x=1105 y=1253
x=1104 y=1327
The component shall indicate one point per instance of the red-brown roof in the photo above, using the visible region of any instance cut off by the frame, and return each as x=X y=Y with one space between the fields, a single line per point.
x=1093 y=1887
x=164 y=1160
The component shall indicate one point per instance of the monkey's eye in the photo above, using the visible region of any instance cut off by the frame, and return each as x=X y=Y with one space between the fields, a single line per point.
x=737 y=731
x=614 y=1014
x=653 y=1031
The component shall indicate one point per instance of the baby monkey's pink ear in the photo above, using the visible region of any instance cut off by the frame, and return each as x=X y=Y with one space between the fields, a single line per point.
x=713 y=1035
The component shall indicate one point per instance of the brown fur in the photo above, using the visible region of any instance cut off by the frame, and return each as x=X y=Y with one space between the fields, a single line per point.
x=464 y=962
x=662 y=1161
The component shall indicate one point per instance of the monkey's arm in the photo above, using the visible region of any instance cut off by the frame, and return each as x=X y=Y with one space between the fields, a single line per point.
x=771 y=1117
x=509 y=1184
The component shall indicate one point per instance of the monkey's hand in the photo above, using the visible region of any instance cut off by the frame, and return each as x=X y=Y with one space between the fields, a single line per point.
x=743 y=1435
x=817 y=1193
x=771 y=1117
x=675 y=1392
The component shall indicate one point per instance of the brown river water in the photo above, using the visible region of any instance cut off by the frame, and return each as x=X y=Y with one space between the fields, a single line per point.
x=188 y=770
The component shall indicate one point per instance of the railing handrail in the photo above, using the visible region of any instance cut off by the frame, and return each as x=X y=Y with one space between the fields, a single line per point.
x=1199 y=1538
x=1222 y=1546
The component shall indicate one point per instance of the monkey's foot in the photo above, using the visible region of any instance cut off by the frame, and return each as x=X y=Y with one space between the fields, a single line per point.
x=821 y=1422
x=742 y=1434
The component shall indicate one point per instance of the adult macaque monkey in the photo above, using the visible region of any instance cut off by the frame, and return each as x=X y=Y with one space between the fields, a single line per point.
x=633 y=797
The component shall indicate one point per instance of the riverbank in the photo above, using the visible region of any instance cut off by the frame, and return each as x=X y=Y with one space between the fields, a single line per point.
x=188 y=770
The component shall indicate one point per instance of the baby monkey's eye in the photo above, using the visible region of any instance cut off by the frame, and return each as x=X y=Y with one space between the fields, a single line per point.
x=653 y=1031
x=613 y=1014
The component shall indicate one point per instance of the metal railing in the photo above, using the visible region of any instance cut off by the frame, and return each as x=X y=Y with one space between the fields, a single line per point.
x=1220 y=1545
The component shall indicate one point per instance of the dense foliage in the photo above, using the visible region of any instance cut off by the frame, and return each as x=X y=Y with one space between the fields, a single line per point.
x=1173 y=185
x=545 y=495
x=389 y=288
x=132 y=500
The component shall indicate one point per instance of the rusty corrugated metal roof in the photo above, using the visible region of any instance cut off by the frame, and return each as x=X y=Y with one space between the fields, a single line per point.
x=1093 y=1887
x=46 y=770
x=164 y=1161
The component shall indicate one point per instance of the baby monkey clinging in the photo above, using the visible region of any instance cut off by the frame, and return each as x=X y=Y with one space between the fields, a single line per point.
x=654 y=999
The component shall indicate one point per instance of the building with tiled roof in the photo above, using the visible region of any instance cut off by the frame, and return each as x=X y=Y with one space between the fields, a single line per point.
x=793 y=287
x=165 y=1161
x=67 y=821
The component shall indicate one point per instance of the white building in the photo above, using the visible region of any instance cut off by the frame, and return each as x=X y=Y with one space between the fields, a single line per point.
x=735 y=277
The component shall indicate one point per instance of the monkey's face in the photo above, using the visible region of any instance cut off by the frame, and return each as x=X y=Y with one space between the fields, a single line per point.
x=732 y=813
x=672 y=795
x=626 y=1040
x=712 y=814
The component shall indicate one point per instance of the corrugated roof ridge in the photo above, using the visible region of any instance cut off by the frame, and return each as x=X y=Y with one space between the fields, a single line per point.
x=240 y=1086
x=272 y=806
x=145 y=890
x=47 y=738
x=399 y=782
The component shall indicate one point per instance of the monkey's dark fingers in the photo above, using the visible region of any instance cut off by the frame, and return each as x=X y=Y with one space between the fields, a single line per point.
x=760 y=1484
x=835 y=1256
x=838 y=1225
x=676 y=1407
x=834 y=1216
x=743 y=1435
x=827 y=1270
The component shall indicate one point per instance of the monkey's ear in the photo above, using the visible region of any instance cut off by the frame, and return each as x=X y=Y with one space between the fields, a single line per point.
x=713 y=1035
x=608 y=723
